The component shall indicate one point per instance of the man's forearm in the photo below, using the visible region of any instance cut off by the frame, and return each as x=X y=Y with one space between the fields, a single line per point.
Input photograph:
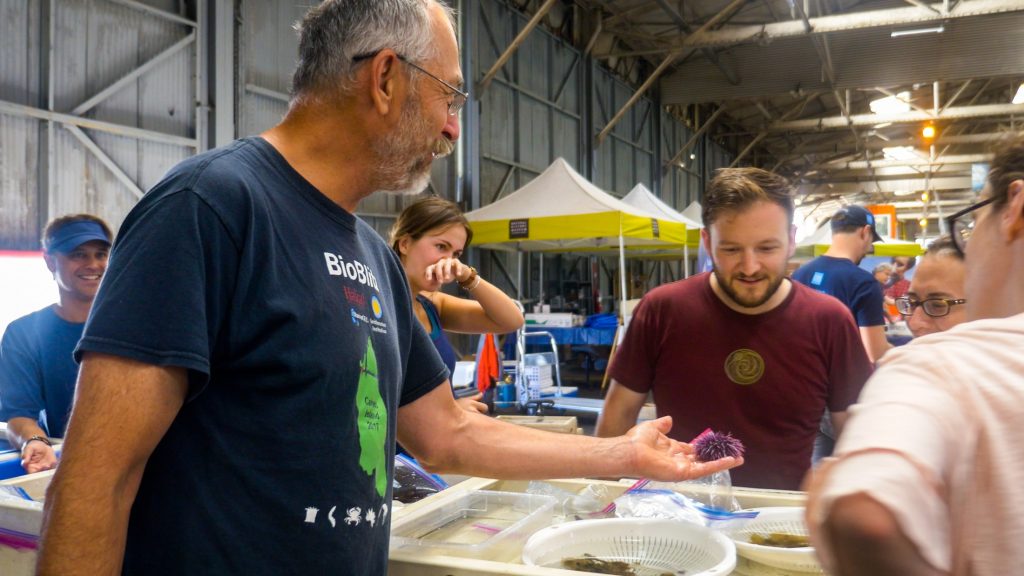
x=20 y=429
x=866 y=540
x=86 y=521
x=526 y=453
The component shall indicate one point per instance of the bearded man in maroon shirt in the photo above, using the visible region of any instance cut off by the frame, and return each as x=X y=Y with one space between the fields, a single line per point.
x=742 y=349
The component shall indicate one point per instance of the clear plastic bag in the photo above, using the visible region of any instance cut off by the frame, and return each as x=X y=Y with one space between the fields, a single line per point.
x=412 y=483
x=647 y=499
x=588 y=503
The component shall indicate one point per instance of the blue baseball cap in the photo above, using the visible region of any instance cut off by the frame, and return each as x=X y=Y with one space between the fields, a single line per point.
x=73 y=235
x=857 y=216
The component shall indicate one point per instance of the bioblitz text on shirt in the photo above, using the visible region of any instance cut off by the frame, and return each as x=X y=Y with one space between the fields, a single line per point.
x=336 y=266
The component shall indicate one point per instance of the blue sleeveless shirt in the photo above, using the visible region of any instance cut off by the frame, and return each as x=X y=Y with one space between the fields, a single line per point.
x=444 y=348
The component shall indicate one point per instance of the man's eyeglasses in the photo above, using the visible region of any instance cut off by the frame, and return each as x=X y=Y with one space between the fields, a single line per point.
x=934 y=307
x=458 y=96
x=961 y=224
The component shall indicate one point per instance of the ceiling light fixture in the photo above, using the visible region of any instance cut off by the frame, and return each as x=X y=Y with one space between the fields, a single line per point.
x=915 y=31
x=896 y=104
x=1018 y=98
x=901 y=153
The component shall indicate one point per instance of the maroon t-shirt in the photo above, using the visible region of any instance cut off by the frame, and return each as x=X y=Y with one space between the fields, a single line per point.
x=765 y=378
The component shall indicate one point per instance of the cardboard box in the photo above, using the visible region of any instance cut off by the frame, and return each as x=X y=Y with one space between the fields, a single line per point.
x=555 y=320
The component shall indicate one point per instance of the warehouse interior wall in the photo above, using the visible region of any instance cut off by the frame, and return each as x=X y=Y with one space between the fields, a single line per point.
x=101 y=97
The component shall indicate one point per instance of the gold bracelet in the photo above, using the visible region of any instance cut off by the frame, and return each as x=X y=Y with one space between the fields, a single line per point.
x=473 y=287
x=472 y=276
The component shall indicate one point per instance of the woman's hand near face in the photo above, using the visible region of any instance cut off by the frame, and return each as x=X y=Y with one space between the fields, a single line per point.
x=448 y=270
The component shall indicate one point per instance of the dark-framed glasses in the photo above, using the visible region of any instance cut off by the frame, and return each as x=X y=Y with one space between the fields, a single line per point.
x=961 y=224
x=458 y=96
x=934 y=307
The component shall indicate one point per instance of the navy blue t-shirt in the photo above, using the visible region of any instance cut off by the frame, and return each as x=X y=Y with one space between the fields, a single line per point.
x=38 y=371
x=852 y=285
x=295 y=322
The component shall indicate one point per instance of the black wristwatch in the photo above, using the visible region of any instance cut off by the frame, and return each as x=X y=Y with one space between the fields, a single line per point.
x=42 y=439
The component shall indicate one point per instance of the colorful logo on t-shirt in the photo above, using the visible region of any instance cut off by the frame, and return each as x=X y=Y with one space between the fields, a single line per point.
x=378 y=310
x=372 y=422
x=744 y=366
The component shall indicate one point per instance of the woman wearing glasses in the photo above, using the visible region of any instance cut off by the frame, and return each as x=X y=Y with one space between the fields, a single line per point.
x=934 y=302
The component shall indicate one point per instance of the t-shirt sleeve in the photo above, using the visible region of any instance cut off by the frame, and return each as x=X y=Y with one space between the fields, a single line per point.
x=902 y=436
x=634 y=360
x=867 y=304
x=167 y=288
x=425 y=370
x=849 y=365
x=21 y=379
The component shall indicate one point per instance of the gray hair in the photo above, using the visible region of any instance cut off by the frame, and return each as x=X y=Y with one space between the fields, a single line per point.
x=336 y=31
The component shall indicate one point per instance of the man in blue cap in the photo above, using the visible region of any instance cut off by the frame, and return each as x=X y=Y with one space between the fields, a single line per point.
x=836 y=273
x=37 y=369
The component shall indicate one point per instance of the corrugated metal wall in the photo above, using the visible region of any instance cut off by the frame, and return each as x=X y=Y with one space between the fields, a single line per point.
x=530 y=113
x=19 y=137
x=94 y=43
x=626 y=157
x=267 y=47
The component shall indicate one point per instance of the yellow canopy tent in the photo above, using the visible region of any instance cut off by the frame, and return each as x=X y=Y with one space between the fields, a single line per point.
x=818 y=243
x=644 y=199
x=561 y=211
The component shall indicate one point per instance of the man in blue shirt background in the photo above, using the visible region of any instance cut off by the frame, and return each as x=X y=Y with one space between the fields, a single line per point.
x=836 y=273
x=37 y=370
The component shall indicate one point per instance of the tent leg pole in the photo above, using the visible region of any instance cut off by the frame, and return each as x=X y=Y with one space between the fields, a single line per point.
x=622 y=277
x=519 y=276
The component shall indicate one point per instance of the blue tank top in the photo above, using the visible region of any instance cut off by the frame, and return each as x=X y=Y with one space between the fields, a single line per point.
x=444 y=348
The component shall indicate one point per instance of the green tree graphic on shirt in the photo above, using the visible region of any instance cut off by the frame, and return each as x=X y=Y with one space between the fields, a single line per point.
x=372 y=420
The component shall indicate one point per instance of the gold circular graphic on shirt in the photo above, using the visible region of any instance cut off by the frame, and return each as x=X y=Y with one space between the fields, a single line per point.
x=744 y=366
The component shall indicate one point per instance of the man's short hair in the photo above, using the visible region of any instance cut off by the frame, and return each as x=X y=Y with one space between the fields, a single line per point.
x=943 y=246
x=1007 y=166
x=852 y=218
x=52 y=231
x=336 y=31
x=736 y=189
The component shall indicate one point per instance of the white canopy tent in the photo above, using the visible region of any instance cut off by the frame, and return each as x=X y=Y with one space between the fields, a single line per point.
x=644 y=199
x=695 y=212
x=562 y=211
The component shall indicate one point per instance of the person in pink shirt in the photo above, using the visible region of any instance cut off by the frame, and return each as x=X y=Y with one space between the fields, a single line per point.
x=926 y=477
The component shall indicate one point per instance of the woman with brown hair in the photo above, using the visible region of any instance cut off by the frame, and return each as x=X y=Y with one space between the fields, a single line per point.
x=429 y=237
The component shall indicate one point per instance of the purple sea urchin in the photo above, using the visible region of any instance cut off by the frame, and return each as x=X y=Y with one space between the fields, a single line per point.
x=714 y=445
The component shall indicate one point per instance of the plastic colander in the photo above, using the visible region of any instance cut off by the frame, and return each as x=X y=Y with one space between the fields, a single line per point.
x=651 y=546
x=784 y=520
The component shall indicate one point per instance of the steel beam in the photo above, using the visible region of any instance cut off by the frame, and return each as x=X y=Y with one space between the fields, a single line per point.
x=133 y=75
x=761 y=33
x=267 y=93
x=719 y=18
x=696 y=135
x=541 y=12
x=852 y=186
x=923 y=162
x=109 y=127
x=107 y=161
x=154 y=11
x=952 y=113
x=749 y=147
x=842 y=147
x=669 y=59
x=921 y=4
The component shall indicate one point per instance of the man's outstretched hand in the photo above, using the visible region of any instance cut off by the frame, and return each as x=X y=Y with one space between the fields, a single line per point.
x=658 y=457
